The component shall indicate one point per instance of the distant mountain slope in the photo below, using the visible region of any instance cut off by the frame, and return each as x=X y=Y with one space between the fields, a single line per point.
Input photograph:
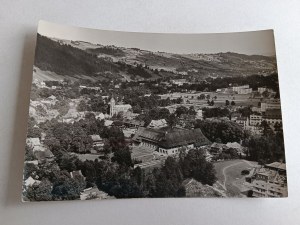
x=66 y=60
x=78 y=58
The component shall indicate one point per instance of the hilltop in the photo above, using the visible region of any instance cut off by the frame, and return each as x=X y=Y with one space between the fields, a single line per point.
x=78 y=59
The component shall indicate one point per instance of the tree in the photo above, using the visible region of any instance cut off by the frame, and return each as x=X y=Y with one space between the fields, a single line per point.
x=226 y=131
x=227 y=103
x=122 y=157
x=195 y=166
x=39 y=192
x=201 y=97
x=232 y=103
x=62 y=107
x=29 y=156
x=181 y=110
x=82 y=106
x=168 y=180
x=266 y=129
x=172 y=120
x=30 y=170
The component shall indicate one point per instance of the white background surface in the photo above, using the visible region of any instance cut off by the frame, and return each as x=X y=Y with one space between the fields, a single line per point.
x=18 y=21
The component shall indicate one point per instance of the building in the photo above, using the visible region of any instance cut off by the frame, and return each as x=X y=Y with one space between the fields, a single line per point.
x=81 y=87
x=33 y=142
x=76 y=173
x=242 y=89
x=270 y=104
x=97 y=140
x=30 y=182
x=245 y=91
x=179 y=82
x=242 y=121
x=277 y=166
x=94 y=193
x=272 y=116
x=134 y=123
x=269 y=181
x=261 y=90
x=255 y=120
x=156 y=124
x=199 y=114
x=115 y=109
x=168 y=141
x=235 y=115
x=216 y=149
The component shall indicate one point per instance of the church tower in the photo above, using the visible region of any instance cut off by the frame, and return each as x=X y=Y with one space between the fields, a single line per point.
x=112 y=107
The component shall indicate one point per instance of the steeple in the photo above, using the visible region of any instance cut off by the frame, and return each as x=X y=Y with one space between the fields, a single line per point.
x=112 y=106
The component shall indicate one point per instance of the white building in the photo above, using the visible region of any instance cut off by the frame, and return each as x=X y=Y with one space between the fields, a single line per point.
x=261 y=90
x=155 y=124
x=255 y=120
x=270 y=104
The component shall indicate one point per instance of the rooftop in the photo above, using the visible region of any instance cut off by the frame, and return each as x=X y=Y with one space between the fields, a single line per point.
x=277 y=165
x=168 y=137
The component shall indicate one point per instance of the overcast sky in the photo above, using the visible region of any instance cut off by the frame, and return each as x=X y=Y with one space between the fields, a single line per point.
x=251 y=43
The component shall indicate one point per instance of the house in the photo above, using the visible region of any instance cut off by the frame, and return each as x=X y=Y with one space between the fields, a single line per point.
x=261 y=90
x=272 y=116
x=45 y=155
x=179 y=82
x=129 y=132
x=239 y=149
x=76 y=173
x=134 y=123
x=32 y=142
x=235 y=116
x=97 y=140
x=94 y=193
x=277 y=166
x=216 y=149
x=242 y=121
x=155 y=124
x=270 y=104
x=100 y=116
x=242 y=89
x=168 y=141
x=195 y=188
x=108 y=123
x=34 y=162
x=30 y=182
x=199 y=114
x=255 y=120
x=269 y=181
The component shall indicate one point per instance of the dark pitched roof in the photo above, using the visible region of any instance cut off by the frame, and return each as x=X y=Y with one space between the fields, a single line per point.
x=180 y=137
x=171 y=137
x=277 y=165
x=273 y=114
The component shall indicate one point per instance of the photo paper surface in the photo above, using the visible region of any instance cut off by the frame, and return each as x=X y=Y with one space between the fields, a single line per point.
x=152 y=115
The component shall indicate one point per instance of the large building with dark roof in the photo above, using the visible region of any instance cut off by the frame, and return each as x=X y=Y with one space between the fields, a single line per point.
x=168 y=140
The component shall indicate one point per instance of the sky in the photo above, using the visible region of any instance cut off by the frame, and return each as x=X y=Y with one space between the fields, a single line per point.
x=250 y=43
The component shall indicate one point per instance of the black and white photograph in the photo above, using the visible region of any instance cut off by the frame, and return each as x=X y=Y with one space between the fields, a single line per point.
x=117 y=115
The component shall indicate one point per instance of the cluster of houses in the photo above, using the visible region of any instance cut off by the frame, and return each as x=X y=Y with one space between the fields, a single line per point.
x=40 y=151
x=232 y=149
x=269 y=180
x=244 y=90
x=269 y=111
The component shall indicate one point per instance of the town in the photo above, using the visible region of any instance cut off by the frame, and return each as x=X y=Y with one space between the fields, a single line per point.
x=166 y=135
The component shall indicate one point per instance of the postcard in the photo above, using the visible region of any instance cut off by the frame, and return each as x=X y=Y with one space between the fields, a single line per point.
x=152 y=115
